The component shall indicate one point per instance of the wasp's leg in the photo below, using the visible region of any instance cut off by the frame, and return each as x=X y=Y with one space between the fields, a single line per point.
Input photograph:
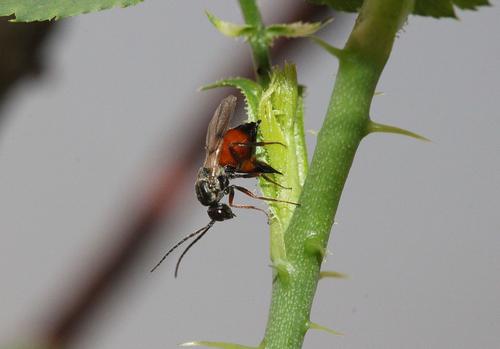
x=231 y=197
x=258 y=174
x=249 y=193
x=255 y=144
x=275 y=183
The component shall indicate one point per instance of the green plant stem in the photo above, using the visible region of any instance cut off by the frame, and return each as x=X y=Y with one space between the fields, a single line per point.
x=363 y=59
x=258 y=42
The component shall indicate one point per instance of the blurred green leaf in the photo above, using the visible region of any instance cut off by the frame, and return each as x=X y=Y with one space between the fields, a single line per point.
x=434 y=8
x=41 y=10
x=444 y=8
x=430 y=8
x=340 y=5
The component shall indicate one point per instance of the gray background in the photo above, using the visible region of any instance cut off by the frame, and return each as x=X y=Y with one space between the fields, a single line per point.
x=418 y=225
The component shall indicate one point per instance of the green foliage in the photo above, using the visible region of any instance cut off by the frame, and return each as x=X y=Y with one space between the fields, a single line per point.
x=281 y=116
x=432 y=8
x=258 y=33
x=341 y=5
x=444 y=8
x=361 y=63
x=40 y=10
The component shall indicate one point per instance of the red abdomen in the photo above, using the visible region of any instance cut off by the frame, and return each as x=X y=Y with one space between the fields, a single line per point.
x=238 y=150
x=232 y=154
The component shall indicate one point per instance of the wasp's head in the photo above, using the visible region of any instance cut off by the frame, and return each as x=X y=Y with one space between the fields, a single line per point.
x=220 y=212
x=210 y=187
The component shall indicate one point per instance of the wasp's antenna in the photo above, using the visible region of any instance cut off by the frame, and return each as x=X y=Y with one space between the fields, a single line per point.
x=204 y=230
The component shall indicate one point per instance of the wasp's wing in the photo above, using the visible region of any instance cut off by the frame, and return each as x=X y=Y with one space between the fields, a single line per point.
x=216 y=130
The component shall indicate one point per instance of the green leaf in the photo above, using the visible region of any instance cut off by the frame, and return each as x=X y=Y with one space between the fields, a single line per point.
x=471 y=4
x=294 y=30
x=300 y=138
x=250 y=89
x=444 y=8
x=41 y=10
x=230 y=29
x=434 y=8
x=340 y=5
x=281 y=116
x=431 y=8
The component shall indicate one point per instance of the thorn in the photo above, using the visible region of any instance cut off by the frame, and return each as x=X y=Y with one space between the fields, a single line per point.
x=284 y=269
x=312 y=132
x=332 y=274
x=221 y=345
x=315 y=326
x=314 y=246
x=375 y=127
x=336 y=52
x=379 y=93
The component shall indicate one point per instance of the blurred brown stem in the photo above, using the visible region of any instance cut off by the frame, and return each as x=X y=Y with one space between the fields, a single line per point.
x=21 y=48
